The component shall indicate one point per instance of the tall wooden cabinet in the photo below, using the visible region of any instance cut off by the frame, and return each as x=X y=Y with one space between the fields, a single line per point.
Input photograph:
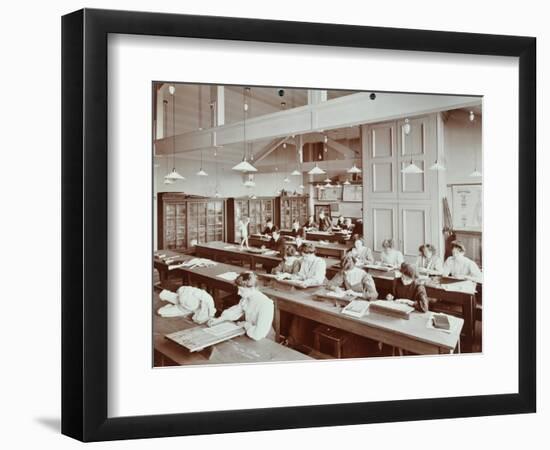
x=183 y=219
x=258 y=210
x=290 y=208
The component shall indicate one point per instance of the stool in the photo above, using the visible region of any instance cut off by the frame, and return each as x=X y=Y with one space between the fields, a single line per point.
x=329 y=341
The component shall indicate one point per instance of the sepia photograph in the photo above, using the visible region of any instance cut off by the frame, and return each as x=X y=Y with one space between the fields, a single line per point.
x=299 y=224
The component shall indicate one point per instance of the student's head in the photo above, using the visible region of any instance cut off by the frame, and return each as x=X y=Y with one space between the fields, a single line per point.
x=347 y=263
x=358 y=243
x=322 y=214
x=308 y=251
x=310 y=219
x=457 y=249
x=341 y=219
x=245 y=282
x=427 y=250
x=408 y=273
x=276 y=233
x=295 y=224
x=348 y=221
x=288 y=252
x=387 y=245
x=269 y=222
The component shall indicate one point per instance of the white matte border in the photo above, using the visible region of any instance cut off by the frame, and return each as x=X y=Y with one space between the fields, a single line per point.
x=136 y=389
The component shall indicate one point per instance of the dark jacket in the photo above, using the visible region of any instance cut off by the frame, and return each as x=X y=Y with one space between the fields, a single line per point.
x=414 y=291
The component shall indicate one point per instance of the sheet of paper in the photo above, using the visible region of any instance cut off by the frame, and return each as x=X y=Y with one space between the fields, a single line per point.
x=222 y=328
x=229 y=247
x=335 y=294
x=229 y=276
x=460 y=286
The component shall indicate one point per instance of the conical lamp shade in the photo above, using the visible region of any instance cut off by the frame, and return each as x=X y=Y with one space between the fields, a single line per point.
x=354 y=169
x=437 y=166
x=169 y=181
x=296 y=173
x=412 y=168
x=476 y=173
x=174 y=175
x=301 y=186
x=316 y=171
x=245 y=166
x=347 y=182
x=286 y=180
x=202 y=173
x=217 y=194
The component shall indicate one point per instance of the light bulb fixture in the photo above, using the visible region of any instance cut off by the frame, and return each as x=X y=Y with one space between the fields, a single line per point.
x=412 y=168
x=325 y=139
x=174 y=175
x=301 y=186
x=253 y=197
x=406 y=127
x=284 y=144
x=437 y=166
x=327 y=180
x=347 y=182
x=296 y=173
x=217 y=194
x=471 y=116
x=286 y=180
x=354 y=169
x=244 y=165
x=476 y=173
x=316 y=171
x=202 y=173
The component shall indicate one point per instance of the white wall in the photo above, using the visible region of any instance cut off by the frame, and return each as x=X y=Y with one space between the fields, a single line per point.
x=462 y=147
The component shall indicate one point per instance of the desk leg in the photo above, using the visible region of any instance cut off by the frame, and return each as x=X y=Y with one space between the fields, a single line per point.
x=277 y=323
x=469 y=323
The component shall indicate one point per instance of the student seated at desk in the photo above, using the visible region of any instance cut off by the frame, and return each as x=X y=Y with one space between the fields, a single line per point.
x=352 y=278
x=257 y=308
x=324 y=222
x=297 y=230
x=313 y=268
x=390 y=256
x=459 y=265
x=188 y=300
x=360 y=252
x=277 y=241
x=310 y=224
x=269 y=227
x=428 y=260
x=290 y=263
x=406 y=289
x=243 y=231
x=348 y=225
x=340 y=221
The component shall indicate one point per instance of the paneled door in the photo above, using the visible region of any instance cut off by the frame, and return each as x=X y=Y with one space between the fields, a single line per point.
x=414 y=229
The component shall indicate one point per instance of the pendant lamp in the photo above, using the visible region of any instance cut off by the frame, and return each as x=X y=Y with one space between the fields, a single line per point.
x=174 y=175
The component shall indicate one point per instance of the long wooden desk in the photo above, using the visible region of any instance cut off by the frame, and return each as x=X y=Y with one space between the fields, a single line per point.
x=238 y=350
x=222 y=251
x=328 y=236
x=410 y=335
x=434 y=289
x=325 y=249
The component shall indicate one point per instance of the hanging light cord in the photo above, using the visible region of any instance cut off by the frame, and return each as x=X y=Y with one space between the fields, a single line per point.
x=174 y=131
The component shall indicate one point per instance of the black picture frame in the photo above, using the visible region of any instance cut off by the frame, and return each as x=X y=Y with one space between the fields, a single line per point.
x=84 y=224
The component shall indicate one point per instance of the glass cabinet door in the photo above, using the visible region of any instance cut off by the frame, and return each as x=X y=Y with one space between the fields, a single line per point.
x=181 y=225
x=169 y=226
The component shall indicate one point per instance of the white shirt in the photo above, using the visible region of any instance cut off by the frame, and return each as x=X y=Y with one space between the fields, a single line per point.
x=461 y=267
x=354 y=276
x=312 y=272
x=434 y=263
x=363 y=255
x=392 y=258
x=258 y=310
x=188 y=300
x=243 y=229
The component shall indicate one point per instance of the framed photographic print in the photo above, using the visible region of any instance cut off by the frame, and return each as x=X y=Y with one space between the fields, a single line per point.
x=237 y=235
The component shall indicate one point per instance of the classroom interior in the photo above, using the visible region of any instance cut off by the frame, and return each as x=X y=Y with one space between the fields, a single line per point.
x=296 y=224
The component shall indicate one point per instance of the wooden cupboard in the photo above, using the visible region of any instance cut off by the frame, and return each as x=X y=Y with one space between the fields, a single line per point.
x=258 y=210
x=183 y=219
x=290 y=208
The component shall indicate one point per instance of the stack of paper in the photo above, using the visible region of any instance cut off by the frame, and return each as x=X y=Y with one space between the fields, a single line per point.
x=391 y=308
x=229 y=276
x=356 y=308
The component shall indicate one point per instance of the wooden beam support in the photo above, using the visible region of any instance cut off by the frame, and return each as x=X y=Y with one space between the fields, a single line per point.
x=269 y=148
x=349 y=110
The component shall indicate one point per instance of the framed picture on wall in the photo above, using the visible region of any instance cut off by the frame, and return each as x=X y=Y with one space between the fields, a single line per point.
x=161 y=150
